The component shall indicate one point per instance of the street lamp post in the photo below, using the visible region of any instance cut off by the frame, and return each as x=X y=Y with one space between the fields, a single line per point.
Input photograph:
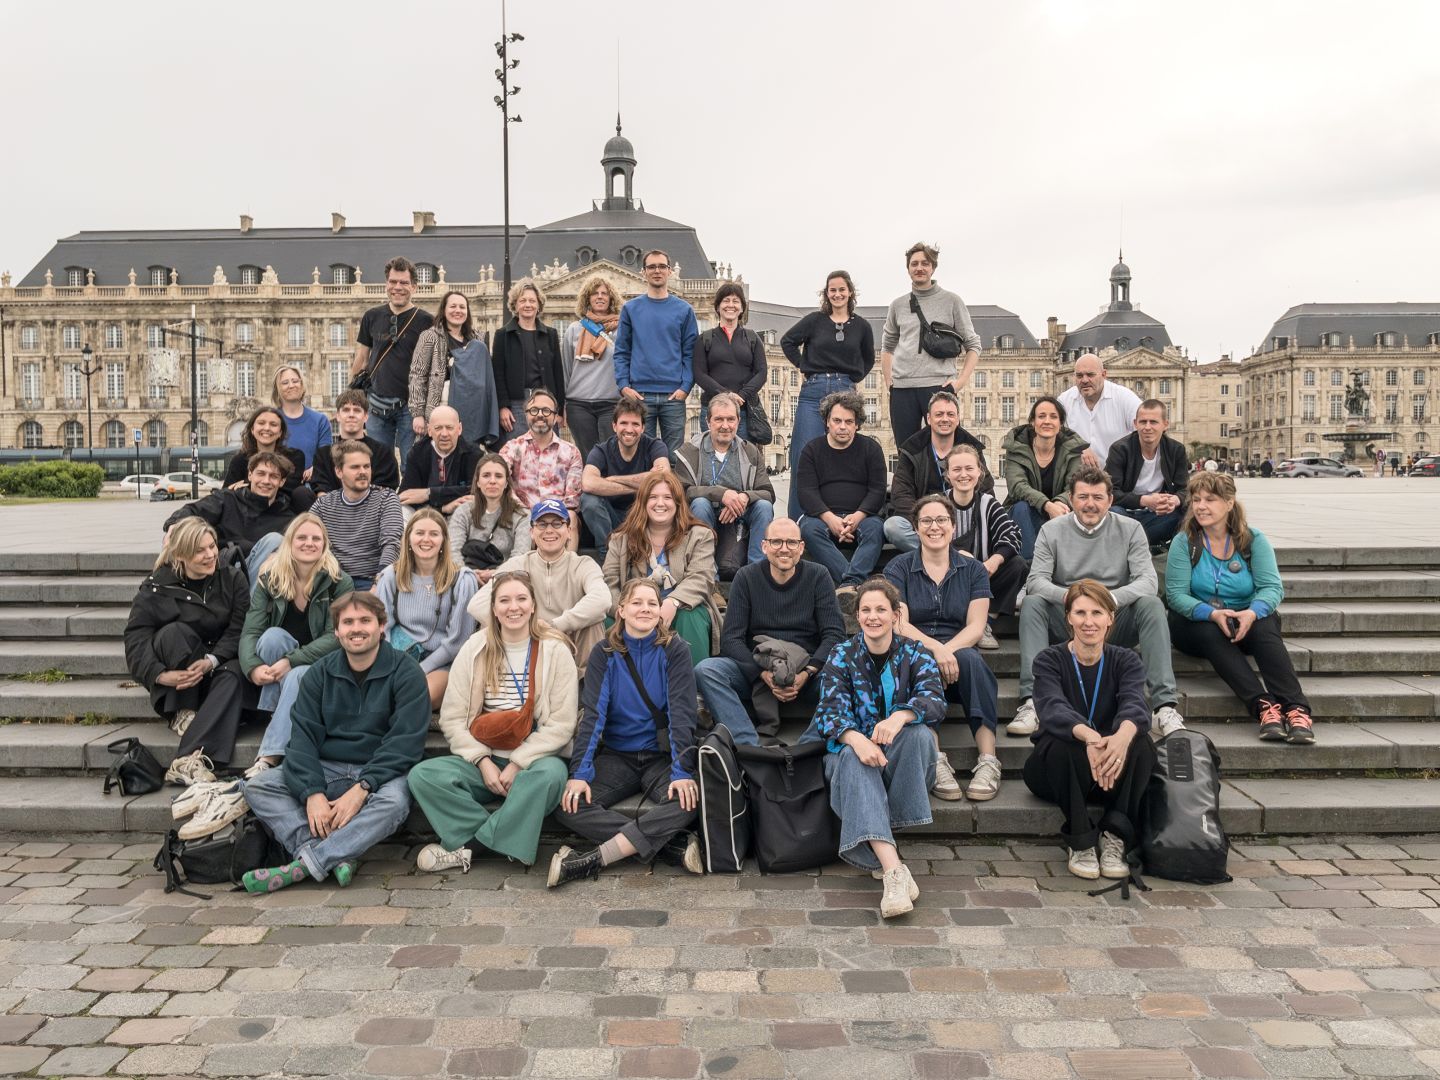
x=88 y=370
x=502 y=101
x=194 y=336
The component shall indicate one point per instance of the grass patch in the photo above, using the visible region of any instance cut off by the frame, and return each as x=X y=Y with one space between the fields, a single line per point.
x=49 y=675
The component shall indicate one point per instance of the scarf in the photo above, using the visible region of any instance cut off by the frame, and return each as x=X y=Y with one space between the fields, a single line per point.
x=590 y=347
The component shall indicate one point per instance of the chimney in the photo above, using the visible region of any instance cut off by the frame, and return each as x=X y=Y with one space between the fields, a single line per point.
x=423 y=219
x=246 y=223
x=337 y=222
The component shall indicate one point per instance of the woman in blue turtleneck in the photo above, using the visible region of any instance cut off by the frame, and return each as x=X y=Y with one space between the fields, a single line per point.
x=636 y=736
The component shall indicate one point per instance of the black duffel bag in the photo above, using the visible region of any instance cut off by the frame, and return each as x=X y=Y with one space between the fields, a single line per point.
x=792 y=825
x=219 y=859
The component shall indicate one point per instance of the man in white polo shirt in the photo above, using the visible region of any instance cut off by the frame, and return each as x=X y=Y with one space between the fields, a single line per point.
x=1099 y=411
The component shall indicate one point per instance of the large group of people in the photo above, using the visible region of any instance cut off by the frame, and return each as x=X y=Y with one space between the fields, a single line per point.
x=340 y=597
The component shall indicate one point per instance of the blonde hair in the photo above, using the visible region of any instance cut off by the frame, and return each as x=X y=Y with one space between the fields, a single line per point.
x=492 y=652
x=518 y=290
x=615 y=636
x=275 y=390
x=1221 y=486
x=445 y=569
x=590 y=288
x=183 y=541
x=280 y=573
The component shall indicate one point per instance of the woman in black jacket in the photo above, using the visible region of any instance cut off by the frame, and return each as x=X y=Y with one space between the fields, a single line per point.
x=526 y=355
x=183 y=637
x=266 y=430
x=728 y=357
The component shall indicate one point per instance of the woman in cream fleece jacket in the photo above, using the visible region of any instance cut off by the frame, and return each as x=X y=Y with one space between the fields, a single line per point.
x=514 y=657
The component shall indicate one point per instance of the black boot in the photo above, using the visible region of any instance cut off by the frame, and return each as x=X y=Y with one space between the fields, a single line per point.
x=571 y=865
x=683 y=850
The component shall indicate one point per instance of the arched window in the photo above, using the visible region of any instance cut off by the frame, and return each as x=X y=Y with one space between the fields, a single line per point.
x=159 y=275
x=630 y=254
x=202 y=429
x=72 y=434
x=1387 y=339
x=74 y=276
x=1330 y=339
x=424 y=274
x=32 y=435
x=250 y=275
x=155 y=435
x=584 y=255
x=340 y=274
x=1005 y=341
x=114 y=435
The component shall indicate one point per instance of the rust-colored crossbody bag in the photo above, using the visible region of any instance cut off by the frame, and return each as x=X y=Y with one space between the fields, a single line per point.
x=506 y=729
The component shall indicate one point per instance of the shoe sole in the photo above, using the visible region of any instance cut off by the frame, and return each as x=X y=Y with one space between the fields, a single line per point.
x=1308 y=739
x=1084 y=875
x=553 y=879
x=946 y=796
x=189 y=831
x=1114 y=875
x=981 y=796
x=1275 y=734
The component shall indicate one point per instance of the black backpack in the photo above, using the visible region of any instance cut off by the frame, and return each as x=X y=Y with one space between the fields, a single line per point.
x=220 y=859
x=1181 y=838
x=793 y=827
x=724 y=804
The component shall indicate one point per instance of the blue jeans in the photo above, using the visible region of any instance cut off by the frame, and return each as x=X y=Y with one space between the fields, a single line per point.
x=872 y=803
x=601 y=518
x=665 y=420
x=724 y=689
x=393 y=430
x=901 y=534
x=758 y=516
x=284 y=815
x=278 y=698
x=1159 y=528
x=266 y=546
x=808 y=424
x=1029 y=520
x=821 y=546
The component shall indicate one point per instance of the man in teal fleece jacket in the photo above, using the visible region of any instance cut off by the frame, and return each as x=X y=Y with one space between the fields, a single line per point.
x=358 y=726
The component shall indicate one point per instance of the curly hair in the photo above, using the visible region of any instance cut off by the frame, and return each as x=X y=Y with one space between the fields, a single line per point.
x=590 y=288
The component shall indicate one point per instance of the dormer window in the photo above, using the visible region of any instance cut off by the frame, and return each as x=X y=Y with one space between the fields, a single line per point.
x=75 y=276
x=1387 y=339
x=1330 y=339
x=159 y=275
x=1147 y=343
x=340 y=274
x=584 y=255
x=424 y=274
x=1279 y=343
x=1121 y=344
x=1005 y=341
x=250 y=275
x=630 y=254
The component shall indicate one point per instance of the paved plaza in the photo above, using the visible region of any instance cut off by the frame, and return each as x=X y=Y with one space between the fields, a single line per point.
x=1318 y=960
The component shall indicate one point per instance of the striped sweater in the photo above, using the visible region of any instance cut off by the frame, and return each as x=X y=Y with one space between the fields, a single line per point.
x=365 y=536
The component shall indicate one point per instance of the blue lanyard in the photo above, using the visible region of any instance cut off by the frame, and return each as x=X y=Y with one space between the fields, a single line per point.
x=1099 y=674
x=1218 y=566
x=522 y=678
x=714 y=471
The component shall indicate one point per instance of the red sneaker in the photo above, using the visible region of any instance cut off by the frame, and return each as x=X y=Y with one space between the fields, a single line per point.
x=1300 y=724
x=1272 y=721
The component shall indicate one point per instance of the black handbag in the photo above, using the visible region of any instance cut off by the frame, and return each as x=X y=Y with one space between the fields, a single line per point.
x=937 y=339
x=481 y=555
x=757 y=424
x=1181 y=838
x=792 y=825
x=219 y=859
x=134 y=770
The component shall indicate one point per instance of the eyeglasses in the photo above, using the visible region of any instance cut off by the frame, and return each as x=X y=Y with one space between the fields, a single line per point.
x=657 y=266
x=933 y=522
x=785 y=543
x=548 y=524
x=539 y=412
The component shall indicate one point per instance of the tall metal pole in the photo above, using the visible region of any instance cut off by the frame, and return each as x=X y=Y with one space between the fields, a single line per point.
x=194 y=412
x=502 y=74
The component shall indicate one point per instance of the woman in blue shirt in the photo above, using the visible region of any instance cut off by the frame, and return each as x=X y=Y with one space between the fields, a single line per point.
x=306 y=429
x=945 y=602
x=1224 y=591
x=880 y=693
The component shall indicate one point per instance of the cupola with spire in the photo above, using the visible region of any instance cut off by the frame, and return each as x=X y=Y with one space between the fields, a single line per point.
x=618 y=162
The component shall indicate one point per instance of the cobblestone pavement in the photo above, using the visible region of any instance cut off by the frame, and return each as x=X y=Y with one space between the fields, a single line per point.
x=1318 y=960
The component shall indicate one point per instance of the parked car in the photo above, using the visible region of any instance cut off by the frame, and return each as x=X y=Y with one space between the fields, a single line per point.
x=1314 y=465
x=176 y=485
x=1429 y=465
x=145 y=482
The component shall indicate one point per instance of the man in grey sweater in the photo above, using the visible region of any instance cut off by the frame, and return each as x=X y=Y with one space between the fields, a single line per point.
x=912 y=375
x=1093 y=543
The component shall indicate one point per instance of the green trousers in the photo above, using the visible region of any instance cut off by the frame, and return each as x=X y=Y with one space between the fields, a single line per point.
x=457 y=804
x=693 y=624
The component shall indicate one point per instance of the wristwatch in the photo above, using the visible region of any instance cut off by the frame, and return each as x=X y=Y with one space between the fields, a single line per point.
x=366 y=786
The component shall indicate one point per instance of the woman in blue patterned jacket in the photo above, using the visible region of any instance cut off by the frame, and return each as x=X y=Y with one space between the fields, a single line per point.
x=878 y=694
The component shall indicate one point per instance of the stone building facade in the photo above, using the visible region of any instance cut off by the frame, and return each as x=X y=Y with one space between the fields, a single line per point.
x=1215 y=409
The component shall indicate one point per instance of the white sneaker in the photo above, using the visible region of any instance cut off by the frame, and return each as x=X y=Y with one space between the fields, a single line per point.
x=946 y=786
x=984 y=779
x=261 y=764
x=1084 y=864
x=1025 y=722
x=181 y=721
x=987 y=640
x=193 y=768
x=434 y=858
x=692 y=860
x=1167 y=719
x=900 y=894
x=1112 y=857
x=224 y=805
x=191 y=799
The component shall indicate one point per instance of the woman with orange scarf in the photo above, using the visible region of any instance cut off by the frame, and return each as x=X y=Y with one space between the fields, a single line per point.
x=587 y=353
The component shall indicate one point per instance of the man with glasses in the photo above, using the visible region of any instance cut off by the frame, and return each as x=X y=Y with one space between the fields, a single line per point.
x=384 y=347
x=782 y=599
x=725 y=478
x=911 y=374
x=570 y=591
x=654 y=348
x=615 y=470
x=543 y=465
x=920 y=466
x=1099 y=411
x=841 y=480
x=440 y=468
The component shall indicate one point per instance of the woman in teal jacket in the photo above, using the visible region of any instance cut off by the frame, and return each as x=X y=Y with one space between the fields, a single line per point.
x=1224 y=591
x=288 y=626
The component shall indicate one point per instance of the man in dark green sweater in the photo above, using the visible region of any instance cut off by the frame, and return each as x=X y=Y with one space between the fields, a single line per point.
x=358 y=727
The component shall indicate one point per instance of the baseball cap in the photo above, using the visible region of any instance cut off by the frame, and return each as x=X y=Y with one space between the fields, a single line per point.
x=551 y=507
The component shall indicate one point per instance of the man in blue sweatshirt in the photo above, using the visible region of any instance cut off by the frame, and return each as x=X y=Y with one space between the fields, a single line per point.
x=359 y=726
x=654 y=347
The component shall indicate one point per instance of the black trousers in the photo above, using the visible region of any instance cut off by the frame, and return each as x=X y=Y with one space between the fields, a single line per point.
x=1264 y=642
x=1058 y=771
x=1006 y=583
x=907 y=409
x=589 y=422
x=220 y=701
x=618 y=775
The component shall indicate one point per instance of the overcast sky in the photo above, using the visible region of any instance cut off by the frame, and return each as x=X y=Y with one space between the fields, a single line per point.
x=1250 y=155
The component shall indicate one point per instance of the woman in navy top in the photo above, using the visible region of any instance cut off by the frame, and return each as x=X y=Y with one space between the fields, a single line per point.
x=1093 y=740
